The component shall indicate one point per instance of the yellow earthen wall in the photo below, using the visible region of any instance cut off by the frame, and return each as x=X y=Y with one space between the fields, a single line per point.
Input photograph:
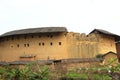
x=106 y=44
x=81 y=45
x=9 y=50
x=56 y=46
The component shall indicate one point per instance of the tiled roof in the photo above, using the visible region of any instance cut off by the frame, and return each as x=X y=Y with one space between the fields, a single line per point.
x=117 y=37
x=35 y=30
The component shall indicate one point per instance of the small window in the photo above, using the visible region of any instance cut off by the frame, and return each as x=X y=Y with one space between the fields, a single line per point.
x=39 y=36
x=25 y=45
x=51 y=36
x=32 y=36
x=11 y=46
x=43 y=44
x=39 y=44
x=28 y=45
x=60 y=43
x=51 y=43
x=18 y=45
x=12 y=38
x=7 y=39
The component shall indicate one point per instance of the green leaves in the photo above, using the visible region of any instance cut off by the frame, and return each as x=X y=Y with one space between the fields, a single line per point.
x=27 y=72
x=34 y=71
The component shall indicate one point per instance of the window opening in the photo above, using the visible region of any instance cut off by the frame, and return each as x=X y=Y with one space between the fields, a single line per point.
x=60 y=43
x=43 y=44
x=7 y=39
x=11 y=46
x=39 y=44
x=51 y=43
x=28 y=45
x=51 y=36
x=32 y=36
x=18 y=45
x=39 y=36
x=12 y=38
x=24 y=45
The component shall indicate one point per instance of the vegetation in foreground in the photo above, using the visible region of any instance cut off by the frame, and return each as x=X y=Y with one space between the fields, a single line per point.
x=35 y=72
x=28 y=72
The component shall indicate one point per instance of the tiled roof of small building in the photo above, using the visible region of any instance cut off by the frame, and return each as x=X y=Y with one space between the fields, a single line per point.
x=117 y=37
x=103 y=31
x=110 y=53
x=35 y=30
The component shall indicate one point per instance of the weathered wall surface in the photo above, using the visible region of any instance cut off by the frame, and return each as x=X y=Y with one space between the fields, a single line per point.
x=56 y=46
x=82 y=45
x=38 y=46
x=106 y=44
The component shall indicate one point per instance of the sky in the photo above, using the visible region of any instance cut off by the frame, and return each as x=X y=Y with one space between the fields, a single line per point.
x=76 y=15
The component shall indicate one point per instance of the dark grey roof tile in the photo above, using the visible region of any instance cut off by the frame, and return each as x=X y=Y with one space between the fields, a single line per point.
x=35 y=30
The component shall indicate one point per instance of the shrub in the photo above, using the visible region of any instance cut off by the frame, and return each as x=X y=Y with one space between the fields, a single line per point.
x=26 y=73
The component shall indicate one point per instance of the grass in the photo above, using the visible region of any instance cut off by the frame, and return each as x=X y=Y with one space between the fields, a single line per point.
x=89 y=75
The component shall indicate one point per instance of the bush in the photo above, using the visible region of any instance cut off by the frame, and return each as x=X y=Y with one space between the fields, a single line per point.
x=26 y=73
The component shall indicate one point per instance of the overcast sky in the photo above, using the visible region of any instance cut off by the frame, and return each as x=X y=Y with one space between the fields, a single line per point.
x=76 y=15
